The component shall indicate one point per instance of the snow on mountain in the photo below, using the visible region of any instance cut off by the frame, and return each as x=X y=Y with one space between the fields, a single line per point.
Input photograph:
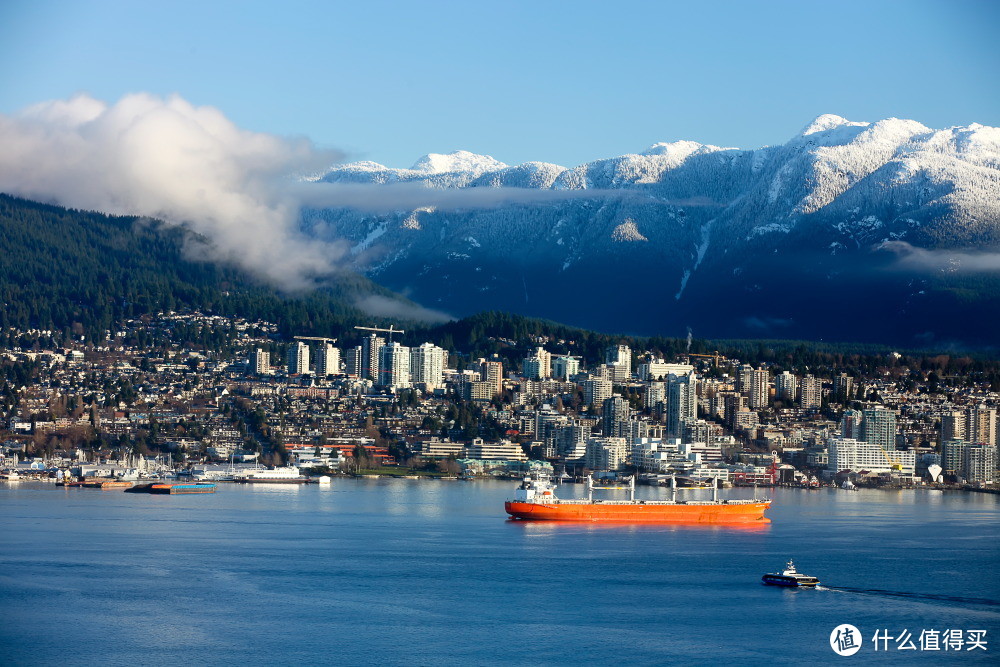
x=464 y=161
x=700 y=222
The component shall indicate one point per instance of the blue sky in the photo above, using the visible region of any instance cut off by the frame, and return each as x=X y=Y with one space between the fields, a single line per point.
x=562 y=82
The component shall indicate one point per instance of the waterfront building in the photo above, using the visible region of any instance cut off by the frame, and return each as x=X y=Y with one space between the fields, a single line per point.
x=606 y=453
x=495 y=451
x=878 y=427
x=328 y=360
x=261 y=362
x=857 y=455
x=298 y=359
x=980 y=464
x=394 y=366
x=438 y=449
x=953 y=456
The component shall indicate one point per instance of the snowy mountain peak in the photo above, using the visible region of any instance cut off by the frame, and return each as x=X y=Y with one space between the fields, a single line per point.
x=464 y=161
x=828 y=121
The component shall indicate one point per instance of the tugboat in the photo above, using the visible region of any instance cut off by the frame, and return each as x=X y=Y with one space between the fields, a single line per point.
x=790 y=577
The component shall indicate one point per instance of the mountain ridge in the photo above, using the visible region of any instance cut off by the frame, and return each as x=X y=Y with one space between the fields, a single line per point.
x=692 y=222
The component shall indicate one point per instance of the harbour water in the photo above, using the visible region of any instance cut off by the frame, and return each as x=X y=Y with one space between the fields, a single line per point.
x=428 y=572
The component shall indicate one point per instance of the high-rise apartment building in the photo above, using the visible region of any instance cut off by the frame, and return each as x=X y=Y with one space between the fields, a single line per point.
x=596 y=390
x=492 y=373
x=953 y=425
x=759 y=389
x=980 y=463
x=811 y=393
x=298 y=359
x=615 y=414
x=981 y=425
x=843 y=386
x=327 y=360
x=394 y=366
x=427 y=364
x=786 y=386
x=681 y=403
x=353 y=361
x=619 y=357
x=370 y=347
x=878 y=427
x=850 y=424
x=261 y=362
x=563 y=368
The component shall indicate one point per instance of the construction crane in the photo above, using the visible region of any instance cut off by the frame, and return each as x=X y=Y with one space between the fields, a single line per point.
x=714 y=356
x=893 y=465
x=319 y=338
x=389 y=331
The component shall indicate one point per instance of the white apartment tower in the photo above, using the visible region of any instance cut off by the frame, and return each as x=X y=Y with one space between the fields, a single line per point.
x=758 y=389
x=681 y=403
x=563 y=368
x=394 y=366
x=619 y=359
x=261 y=362
x=298 y=359
x=786 y=386
x=981 y=425
x=879 y=427
x=811 y=393
x=427 y=364
x=370 y=346
x=327 y=360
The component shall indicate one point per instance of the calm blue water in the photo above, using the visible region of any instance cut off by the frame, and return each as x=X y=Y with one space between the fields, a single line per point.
x=429 y=572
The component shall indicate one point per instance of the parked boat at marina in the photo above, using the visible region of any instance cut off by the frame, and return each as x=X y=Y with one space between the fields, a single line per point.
x=173 y=488
x=280 y=475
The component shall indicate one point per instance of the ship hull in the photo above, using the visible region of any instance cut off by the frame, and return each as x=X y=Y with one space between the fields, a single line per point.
x=639 y=512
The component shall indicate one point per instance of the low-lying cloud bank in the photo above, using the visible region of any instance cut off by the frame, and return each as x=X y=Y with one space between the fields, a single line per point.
x=921 y=260
x=244 y=191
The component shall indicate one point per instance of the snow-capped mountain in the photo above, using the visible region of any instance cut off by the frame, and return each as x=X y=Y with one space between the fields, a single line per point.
x=781 y=241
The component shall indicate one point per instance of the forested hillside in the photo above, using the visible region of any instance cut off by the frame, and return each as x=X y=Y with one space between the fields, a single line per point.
x=79 y=273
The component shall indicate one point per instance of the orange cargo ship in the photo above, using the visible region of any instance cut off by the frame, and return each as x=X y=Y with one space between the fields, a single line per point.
x=535 y=500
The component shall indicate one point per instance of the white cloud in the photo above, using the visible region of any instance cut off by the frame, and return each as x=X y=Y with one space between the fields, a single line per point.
x=911 y=258
x=185 y=165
